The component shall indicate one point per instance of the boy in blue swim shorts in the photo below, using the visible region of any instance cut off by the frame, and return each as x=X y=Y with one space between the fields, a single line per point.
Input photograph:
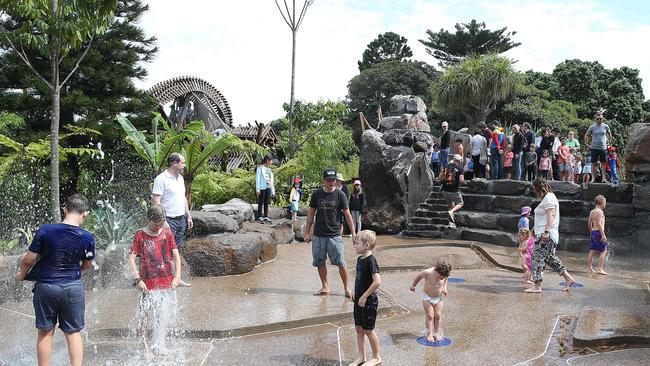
x=596 y=226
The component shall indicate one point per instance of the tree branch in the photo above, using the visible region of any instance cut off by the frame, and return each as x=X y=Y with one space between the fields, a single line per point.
x=290 y=15
x=281 y=13
x=26 y=61
x=303 y=12
x=76 y=66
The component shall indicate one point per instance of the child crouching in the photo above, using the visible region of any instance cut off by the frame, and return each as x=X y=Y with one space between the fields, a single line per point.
x=157 y=277
x=365 y=299
x=435 y=285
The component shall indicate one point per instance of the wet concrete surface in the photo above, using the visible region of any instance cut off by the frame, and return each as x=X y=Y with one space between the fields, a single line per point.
x=598 y=327
x=270 y=317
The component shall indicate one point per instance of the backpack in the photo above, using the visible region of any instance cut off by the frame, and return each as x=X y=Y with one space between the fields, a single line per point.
x=449 y=176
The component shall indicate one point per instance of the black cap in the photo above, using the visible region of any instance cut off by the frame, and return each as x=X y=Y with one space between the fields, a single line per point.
x=556 y=129
x=329 y=173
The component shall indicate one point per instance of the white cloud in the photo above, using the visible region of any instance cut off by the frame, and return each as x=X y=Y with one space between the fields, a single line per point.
x=244 y=47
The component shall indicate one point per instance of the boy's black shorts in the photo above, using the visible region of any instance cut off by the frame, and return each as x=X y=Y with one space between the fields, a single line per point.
x=366 y=316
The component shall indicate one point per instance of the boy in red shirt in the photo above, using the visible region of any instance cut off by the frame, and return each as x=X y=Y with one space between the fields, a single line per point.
x=157 y=277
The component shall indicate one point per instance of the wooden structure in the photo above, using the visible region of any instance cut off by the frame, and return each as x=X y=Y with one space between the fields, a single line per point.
x=194 y=99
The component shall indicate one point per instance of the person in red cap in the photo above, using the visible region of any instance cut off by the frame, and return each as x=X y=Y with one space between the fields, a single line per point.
x=294 y=198
x=357 y=203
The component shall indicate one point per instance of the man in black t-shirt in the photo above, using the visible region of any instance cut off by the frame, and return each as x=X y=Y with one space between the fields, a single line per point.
x=325 y=204
x=451 y=177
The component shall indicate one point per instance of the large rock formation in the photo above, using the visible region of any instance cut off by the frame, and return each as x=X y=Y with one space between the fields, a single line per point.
x=393 y=167
x=637 y=171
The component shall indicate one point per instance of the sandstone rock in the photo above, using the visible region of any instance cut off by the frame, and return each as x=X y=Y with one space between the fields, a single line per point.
x=220 y=255
x=637 y=151
x=275 y=213
x=510 y=187
x=281 y=232
x=641 y=194
x=236 y=208
x=299 y=228
x=478 y=185
x=513 y=204
x=564 y=189
x=483 y=220
x=407 y=137
x=208 y=222
x=400 y=104
x=384 y=219
x=269 y=248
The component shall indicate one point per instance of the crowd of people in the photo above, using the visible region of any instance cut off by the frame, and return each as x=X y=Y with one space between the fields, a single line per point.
x=525 y=155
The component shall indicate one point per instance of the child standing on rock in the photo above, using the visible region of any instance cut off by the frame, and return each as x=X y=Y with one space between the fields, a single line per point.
x=435 y=286
x=158 y=276
x=365 y=299
x=596 y=226
x=357 y=203
x=294 y=198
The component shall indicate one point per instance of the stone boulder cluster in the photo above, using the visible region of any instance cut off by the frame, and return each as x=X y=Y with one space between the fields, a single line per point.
x=225 y=240
x=637 y=172
x=394 y=165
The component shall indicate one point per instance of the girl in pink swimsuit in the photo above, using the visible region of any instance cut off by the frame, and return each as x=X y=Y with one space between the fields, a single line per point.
x=526 y=245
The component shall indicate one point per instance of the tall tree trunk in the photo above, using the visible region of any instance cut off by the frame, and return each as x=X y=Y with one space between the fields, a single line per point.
x=54 y=126
x=293 y=80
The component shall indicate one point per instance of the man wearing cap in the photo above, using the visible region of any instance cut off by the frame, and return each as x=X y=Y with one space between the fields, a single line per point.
x=451 y=177
x=600 y=136
x=325 y=204
x=445 y=146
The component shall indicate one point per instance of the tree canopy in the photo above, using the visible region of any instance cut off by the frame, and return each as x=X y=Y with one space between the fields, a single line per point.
x=471 y=38
x=386 y=47
x=475 y=86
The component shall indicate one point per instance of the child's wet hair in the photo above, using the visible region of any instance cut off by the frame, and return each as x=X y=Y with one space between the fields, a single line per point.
x=155 y=213
x=600 y=199
x=367 y=237
x=443 y=267
x=77 y=203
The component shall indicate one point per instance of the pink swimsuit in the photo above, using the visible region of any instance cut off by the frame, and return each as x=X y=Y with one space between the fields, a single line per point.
x=529 y=253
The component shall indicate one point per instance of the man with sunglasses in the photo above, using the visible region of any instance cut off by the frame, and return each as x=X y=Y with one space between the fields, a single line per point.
x=600 y=136
x=325 y=205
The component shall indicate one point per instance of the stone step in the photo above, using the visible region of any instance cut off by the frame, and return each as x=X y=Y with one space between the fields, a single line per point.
x=568 y=242
x=436 y=201
x=429 y=220
x=433 y=207
x=421 y=212
x=435 y=234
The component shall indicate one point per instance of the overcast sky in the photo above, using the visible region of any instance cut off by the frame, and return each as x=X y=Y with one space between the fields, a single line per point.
x=243 y=48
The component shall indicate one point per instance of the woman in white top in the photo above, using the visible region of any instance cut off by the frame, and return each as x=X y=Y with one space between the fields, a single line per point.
x=547 y=222
x=478 y=144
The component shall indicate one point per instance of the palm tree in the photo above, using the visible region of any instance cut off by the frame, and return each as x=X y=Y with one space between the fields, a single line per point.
x=475 y=86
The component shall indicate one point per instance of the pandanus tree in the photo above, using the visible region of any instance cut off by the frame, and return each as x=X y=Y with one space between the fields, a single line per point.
x=475 y=86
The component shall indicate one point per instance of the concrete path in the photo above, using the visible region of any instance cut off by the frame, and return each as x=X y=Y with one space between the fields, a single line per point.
x=270 y=317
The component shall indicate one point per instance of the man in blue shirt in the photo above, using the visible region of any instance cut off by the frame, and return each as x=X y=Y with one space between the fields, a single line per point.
x=55 y=259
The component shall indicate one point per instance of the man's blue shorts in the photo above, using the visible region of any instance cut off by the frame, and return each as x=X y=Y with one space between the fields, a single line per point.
x=323 y=247
x=64 y=303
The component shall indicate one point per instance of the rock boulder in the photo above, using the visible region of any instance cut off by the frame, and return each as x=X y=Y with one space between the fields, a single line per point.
x=210 y=222
x=236 y=208
x=281 y=232
x=415 y=122
x=220 y=255
x=400 y=104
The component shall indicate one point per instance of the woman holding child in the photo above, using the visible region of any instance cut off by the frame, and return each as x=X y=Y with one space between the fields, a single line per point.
x=547 y=222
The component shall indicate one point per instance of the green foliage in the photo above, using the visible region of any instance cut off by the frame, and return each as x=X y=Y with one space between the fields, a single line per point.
x=10 y=123
x=36 y=153
x=470 y=39
x=23 y=205
x=113 y=224
x=219 y=187
x=386 y=47
x=374 y=86
x=475 y=86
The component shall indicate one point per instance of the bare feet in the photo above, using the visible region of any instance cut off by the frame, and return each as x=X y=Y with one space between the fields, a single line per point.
x=529 y=282
x=437 y=337
x=373 y=362
x=430 y=337
x=569 y=283
x=533 y=290
x=357 y=362
x=348 y=294
x=591 y=270
x=322 y=291
x=601 y=271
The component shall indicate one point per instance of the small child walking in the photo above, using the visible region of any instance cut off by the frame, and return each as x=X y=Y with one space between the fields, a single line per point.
x=435 y=286
x=294 y=197
x=507 y=161
x=366 y=301
x=577 y=169
x=598 y=238
x=531 y=163
x=524 y=221
x=158 y=276
x=544 y=165
x=357 y=203
x=526 y=246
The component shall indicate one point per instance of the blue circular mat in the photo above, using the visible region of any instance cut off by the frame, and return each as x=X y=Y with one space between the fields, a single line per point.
x=444 y=342
x=455 y=280
x=576 y=285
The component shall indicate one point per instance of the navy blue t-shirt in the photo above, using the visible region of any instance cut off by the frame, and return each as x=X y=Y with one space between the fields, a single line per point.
x=366 y=267
x=60 y=248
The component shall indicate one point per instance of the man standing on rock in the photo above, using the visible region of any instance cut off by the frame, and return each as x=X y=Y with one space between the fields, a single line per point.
x=169 y=191
x=600 y=136
x=327 y=241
